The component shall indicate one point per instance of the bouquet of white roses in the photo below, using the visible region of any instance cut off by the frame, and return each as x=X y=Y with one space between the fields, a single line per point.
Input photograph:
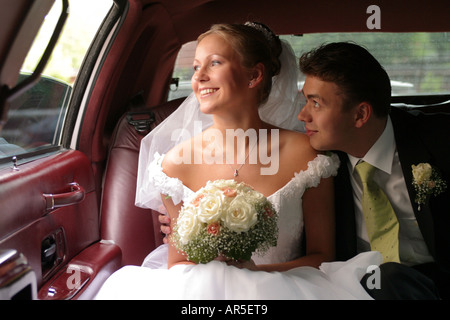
x=225 y=218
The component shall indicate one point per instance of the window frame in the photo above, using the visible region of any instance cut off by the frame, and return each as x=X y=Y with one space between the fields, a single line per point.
x=92 y=62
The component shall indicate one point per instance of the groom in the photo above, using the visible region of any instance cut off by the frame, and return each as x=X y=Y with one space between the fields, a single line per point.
x=348 y=110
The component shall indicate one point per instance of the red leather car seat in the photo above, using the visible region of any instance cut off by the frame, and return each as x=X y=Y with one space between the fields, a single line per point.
x=135 y=230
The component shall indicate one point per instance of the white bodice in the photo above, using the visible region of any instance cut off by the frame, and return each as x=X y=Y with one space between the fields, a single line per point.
x=287 y=201
x=218 y=281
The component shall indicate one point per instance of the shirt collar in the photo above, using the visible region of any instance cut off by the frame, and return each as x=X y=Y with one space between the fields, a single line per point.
x=381 y=154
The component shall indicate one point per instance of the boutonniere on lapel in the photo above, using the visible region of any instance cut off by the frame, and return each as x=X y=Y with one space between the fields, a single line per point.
x=426 y=181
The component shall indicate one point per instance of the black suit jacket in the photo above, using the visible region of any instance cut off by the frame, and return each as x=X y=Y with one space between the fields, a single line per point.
x=420 y=138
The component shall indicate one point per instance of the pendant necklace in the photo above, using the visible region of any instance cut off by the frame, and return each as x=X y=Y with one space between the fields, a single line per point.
x=236 y=171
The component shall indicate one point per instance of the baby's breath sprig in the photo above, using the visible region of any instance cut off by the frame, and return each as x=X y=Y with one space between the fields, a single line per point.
x=426 y=182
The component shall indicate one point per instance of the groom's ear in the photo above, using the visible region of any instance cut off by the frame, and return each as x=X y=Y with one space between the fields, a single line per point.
x=363 y=112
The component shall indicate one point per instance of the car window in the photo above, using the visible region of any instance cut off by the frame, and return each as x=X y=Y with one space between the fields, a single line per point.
x=417 y=63
x=35 y=118
x=183 y=71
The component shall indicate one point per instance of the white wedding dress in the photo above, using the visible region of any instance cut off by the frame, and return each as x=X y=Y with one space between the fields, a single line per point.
x=216 y=280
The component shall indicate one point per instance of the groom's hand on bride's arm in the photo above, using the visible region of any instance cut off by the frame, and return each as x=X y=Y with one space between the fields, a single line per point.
x=165 y=226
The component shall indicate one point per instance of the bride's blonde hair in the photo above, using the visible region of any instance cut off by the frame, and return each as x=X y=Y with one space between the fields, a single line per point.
x=255 y=43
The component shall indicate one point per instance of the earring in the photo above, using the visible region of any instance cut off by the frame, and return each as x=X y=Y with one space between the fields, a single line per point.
x=250 y=84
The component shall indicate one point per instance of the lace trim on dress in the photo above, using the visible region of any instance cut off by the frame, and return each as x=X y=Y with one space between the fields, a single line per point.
x=166 y=185
x=321 y=167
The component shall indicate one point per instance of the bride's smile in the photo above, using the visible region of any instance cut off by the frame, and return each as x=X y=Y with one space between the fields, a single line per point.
x=206 y=92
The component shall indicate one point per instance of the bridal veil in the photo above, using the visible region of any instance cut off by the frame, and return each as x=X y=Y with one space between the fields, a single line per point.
x=281 y=109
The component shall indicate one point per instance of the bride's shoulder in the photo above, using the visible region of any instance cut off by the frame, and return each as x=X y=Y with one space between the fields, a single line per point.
x=297 y=144
x=294 y=135
x=295 y=152
x=176 y=158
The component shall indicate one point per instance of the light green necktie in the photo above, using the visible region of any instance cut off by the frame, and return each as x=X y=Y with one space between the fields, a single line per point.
x=381 y=221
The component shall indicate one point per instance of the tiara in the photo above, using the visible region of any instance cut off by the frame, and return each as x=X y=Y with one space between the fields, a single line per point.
x=268 y=34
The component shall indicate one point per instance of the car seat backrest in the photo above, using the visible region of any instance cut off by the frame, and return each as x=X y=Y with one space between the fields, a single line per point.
x=135 y=230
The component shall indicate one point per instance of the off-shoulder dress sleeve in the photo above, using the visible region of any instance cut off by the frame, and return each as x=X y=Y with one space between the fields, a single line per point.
x=323 y=166
x=155 y=182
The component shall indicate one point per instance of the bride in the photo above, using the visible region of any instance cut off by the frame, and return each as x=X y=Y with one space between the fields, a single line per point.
x=244 y=83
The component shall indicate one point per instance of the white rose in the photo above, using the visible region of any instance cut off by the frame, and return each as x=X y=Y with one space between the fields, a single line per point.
x=256 y=197
x=210 y=207
x=241 y=215
x=242 y=187
x=421 y=172
x=188 y=225
x=220 y=184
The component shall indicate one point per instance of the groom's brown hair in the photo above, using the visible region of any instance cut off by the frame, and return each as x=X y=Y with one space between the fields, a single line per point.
x=354 y=70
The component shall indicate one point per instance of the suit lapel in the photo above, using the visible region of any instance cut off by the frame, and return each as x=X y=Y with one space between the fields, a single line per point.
x=411 y=150
x=345 y=212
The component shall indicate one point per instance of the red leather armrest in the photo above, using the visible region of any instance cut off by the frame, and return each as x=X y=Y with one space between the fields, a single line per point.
x=83 y=276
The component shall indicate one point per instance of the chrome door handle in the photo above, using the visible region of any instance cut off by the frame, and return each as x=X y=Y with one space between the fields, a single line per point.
x=76 y=195
x=49 y=252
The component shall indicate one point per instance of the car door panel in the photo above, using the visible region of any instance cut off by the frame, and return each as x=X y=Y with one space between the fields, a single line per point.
x=30 y=227
x=49 y=199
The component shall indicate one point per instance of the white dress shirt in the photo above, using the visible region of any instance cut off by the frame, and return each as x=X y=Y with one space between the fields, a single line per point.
x=389 y=176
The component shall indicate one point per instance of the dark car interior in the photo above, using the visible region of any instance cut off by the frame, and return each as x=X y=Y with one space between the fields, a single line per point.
x=67 y=213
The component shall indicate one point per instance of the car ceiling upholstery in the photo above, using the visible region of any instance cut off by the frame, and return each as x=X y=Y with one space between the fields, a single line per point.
x=305 y=16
